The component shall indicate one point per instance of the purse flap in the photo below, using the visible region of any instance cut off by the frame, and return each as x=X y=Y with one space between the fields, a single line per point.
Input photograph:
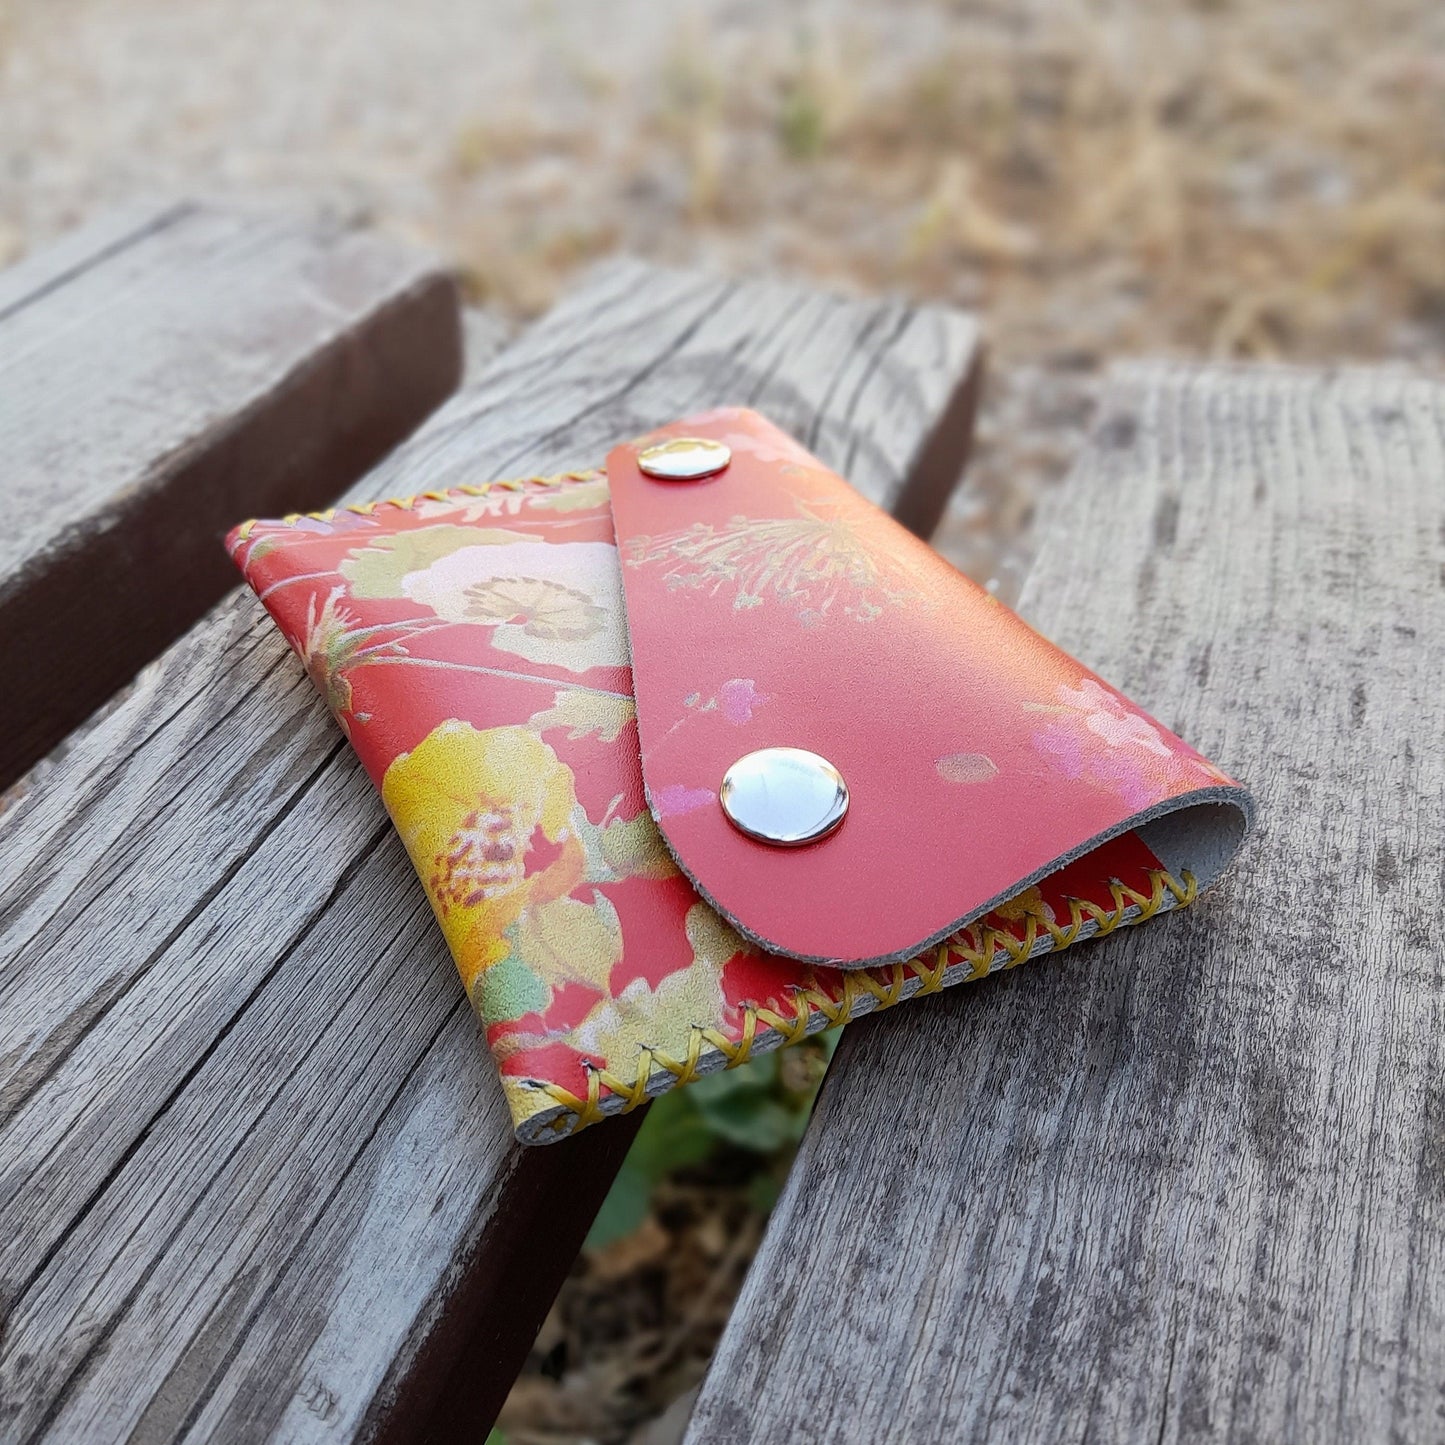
x=769 y=605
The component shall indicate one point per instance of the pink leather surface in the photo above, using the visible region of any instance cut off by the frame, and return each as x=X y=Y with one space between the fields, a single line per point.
x=772 y=605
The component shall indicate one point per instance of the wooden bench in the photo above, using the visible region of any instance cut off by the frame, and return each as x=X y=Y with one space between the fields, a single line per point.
x=1188 y=1183
x=256 y=1175
x=161 y=374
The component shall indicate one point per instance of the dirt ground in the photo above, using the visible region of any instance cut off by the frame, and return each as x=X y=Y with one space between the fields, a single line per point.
x=1100 y=178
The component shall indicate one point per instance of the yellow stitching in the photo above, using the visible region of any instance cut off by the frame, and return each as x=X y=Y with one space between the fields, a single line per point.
x=933 y=977
x=588 y=1111
x=885 y=996
x=978 y=945
x=794 y=1029
x=406 y=504
x=835 y=1011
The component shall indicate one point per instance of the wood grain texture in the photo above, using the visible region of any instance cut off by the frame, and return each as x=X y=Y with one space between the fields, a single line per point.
x=161 y=374
x=256 y=1170
x=1188 y=1183
x=484 y=334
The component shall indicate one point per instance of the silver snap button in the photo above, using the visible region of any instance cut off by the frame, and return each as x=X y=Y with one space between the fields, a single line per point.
x=784 y=796
x=684 y=459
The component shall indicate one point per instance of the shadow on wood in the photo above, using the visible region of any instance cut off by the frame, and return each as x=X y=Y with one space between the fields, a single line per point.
x=163 y=375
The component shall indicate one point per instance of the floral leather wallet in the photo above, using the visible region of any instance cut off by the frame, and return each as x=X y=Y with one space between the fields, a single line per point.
x=583 y=697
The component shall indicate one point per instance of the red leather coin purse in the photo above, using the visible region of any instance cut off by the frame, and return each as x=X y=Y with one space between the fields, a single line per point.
x=703 y=753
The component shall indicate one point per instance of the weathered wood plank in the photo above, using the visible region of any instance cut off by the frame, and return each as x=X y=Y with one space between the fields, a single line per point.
x=256 y=1176
x=1187 y=1184
x=484 y=334
x=160 y=375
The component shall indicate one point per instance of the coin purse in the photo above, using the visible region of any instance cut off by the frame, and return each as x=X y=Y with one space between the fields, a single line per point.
x=701 y=753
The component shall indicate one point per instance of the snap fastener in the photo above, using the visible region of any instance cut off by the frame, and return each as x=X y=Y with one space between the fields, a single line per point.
x=684 y=459
x=784 y=796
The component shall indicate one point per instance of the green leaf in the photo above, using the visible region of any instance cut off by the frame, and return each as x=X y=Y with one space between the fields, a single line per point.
x=802 y=124
x=625 y=1207
x=748 y=1108
x=753 y=1121
x=672 y=1137
x=758 y=1076
x=571 y=498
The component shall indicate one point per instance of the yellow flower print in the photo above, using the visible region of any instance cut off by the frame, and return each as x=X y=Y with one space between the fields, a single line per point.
x=469 y=805
x=633 y=848
x=565 y=939
x=584 y=713
x=643 y=1016
x=714 y=940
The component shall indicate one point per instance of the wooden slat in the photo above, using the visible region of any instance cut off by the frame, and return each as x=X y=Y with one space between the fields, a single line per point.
x=256 y=1174
x=484 y=334
x=1188 y=1183
x=161 y=374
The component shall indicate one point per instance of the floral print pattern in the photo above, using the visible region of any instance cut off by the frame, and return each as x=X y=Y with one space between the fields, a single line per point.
x=474 y=647
x=329 y=644
x=814 y=564
x=554 y=603
x=1095 y=736
x=490 y=821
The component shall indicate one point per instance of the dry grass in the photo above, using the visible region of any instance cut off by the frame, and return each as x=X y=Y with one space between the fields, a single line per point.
x=1236 y=180
x=1239 y=181
x=1099 y=177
